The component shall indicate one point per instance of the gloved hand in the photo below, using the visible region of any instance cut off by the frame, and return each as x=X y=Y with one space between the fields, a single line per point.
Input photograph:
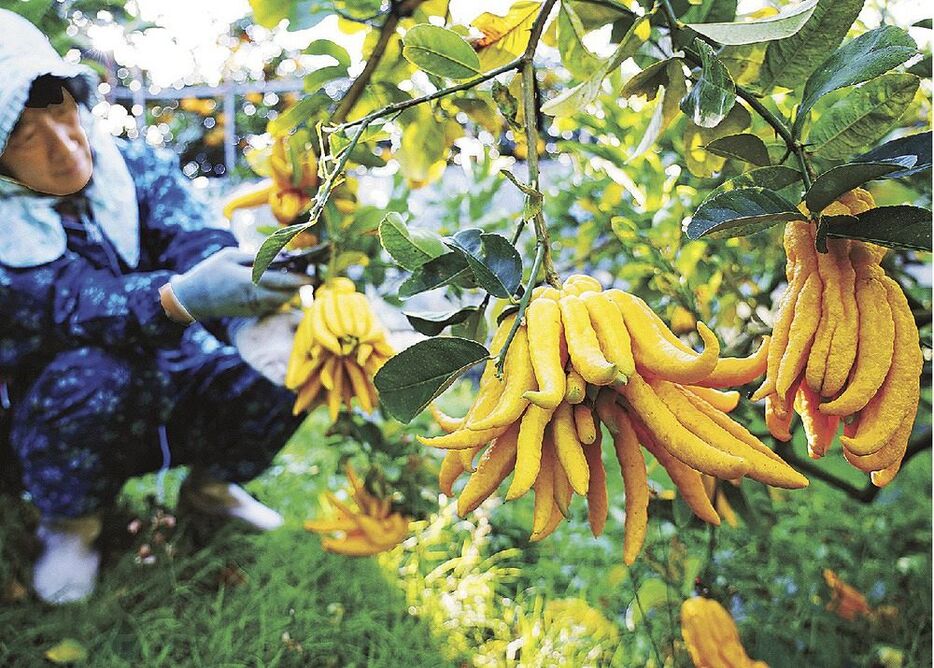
x=266 y=343
x=221 y=285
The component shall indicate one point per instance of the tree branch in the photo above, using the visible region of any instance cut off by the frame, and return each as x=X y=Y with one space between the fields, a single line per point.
x=534 y=35
x=386 y=32
x=867 y=494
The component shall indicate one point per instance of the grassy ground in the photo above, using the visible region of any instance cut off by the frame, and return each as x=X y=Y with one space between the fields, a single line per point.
x=476 y=592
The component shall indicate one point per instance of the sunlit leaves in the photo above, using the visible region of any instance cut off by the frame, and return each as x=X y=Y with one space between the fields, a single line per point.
x=271 y=246
x=740 y=212
x=575 y=56
x=789 y=62
x=665 y=80
x=301 y=15
x=713 y=94
x=863 y=117
x=410 y=248
x=441 y=52
x=408 y=382
x=504 y=37
x=869 y=55
x=781 y=25
x=572 y=100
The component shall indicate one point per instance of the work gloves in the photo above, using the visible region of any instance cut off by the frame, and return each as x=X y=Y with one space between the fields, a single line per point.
x=222 y=286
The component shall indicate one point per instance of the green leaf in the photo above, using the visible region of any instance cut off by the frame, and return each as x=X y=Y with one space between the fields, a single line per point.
x=494 y=261
x=784 y=24
x=507 y=104
x=68 y=650
x=713 y=95
x=866 y=57
x=917 y=146
x=895 y=226
x=710 y=11
x=302 y=14
x=441 y=52
x=274 y=243
x=298 y=114
x=647 y=82
x=31 y=10
x=652 y=593
x=410 y=249
x=700 y=161
x=773 y=178
x=409 y=381
x=573 y=100
x=739 y=212
x=789 y=62
x=325 y=47
x=504 y=37
x=318 y=78
x=432 y=323
x=746 y=147
x=473 y=328
x=598 y=13
x=575 y=57
x=666 y=109
x=834 y=182
x=863 y=117
x=434 y=274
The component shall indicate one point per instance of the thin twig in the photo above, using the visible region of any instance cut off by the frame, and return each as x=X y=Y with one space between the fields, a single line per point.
x=386 y=32
x=635 y=592
x=523 y=304
x=531 y=136
x=534 y=36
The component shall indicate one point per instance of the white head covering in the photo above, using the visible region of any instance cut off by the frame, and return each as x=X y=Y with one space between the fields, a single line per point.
x=31 y=231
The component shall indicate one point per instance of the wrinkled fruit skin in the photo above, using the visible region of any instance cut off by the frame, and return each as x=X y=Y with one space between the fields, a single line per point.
x=370 y=529
x=338 y=348
x=845 y=349
x=711 y=636
x=585 y=358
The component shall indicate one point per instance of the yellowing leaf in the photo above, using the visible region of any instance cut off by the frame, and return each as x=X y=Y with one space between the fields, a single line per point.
x=68 y=650
x=504 y=37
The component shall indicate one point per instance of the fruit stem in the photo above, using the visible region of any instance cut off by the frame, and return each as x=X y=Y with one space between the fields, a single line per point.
x=530 y=111
x=540 y=252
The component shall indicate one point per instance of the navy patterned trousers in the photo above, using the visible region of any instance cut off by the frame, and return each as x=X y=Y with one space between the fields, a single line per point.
x=91 y=418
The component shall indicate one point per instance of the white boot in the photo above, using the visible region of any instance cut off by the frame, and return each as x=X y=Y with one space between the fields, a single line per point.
x=225 y=499
x=66 y=571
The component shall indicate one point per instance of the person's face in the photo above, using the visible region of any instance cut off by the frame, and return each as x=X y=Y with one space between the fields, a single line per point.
x=48 y=151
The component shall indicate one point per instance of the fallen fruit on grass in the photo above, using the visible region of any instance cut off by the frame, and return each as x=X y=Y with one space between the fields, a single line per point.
x=369 y=529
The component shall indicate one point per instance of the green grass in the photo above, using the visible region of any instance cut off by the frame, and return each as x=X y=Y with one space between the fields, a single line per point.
x=240 y=600
x=476 y=592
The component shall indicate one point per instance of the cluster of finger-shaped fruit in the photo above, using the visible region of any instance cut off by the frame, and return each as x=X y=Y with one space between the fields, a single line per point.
x=370 y=529
x=585 y=356
x=338 y=348
x=844 y=349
